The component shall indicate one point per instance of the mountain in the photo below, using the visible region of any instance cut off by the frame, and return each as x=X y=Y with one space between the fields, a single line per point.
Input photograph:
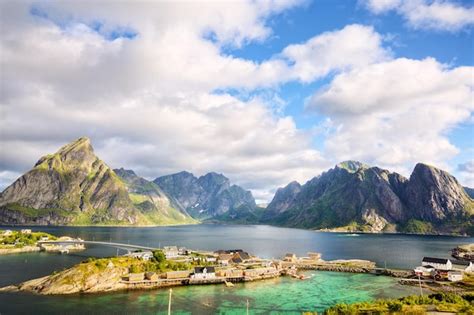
x=208 y=196
x=354 y=196
x=71 y=187
x=152 y=201
x=469 y=191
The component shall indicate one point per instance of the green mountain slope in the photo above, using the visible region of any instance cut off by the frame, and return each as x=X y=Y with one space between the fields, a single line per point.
x=72 y=187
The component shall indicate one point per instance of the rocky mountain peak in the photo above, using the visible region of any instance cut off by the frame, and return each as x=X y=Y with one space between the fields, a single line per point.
x=351 y=166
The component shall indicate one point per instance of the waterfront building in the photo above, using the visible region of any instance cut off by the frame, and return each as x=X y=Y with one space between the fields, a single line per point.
x=455 y=276
x=224 y=259
x=7 y=232
x=204 y=273
x=424 y=271
x=464 y=266
x=25 y=231
x=133 y=277
x=177 y=274
x=437 y=263
x=290 y=257
x=152 y=276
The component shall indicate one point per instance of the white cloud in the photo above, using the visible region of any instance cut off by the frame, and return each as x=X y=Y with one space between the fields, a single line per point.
x=353 y=46
x=424 y=14
x=396 y=113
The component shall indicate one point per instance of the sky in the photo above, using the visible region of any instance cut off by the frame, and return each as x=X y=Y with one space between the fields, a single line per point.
x=265 y=91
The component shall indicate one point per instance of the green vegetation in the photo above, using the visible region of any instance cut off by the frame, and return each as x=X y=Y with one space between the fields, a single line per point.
x=18 y=240
x=441 y=302
x=32 y=212
x=418 y=227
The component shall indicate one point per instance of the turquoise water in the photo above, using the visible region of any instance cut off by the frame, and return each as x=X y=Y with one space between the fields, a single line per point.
x=283 y=295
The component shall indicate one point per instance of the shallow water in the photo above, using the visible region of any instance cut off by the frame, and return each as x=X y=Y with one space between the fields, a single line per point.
x=284 y=295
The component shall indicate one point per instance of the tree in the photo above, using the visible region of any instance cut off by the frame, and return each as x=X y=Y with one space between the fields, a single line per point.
x=159 y=256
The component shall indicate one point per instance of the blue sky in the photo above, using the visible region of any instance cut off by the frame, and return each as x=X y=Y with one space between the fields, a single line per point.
x=265 y=92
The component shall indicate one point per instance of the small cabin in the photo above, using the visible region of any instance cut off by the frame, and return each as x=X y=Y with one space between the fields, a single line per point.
x=180 y=274
x=134 y=277
x=204 y=273
x=290 y=257
x=437 y=263
x=455 y=276
x=152 y=276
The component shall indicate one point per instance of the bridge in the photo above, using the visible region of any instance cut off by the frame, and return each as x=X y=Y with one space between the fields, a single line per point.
x=127 y=247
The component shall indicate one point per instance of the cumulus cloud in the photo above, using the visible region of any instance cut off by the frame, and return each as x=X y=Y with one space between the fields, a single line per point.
x=396 y=113
x=147 y=102
x=425 y=14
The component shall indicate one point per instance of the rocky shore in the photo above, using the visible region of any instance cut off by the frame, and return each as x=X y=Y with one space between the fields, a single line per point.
x=17 y=250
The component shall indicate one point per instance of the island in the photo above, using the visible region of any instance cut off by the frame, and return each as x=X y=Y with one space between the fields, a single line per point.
x=25 y=240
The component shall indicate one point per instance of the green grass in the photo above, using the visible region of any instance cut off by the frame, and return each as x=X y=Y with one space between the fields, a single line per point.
x=409 y=305
x=32 y=212
x=23 y=239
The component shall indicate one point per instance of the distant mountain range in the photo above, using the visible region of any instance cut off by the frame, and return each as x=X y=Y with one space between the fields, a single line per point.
x=74 y=187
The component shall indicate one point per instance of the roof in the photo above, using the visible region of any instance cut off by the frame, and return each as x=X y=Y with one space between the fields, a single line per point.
x=290 y=255
x=225 y=257
x=201 y=269
x=244 y=255
x=461 y=263
x=435 y=260
x=237 y=260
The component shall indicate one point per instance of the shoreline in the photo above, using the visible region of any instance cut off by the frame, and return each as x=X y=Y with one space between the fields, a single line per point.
x=237 y=224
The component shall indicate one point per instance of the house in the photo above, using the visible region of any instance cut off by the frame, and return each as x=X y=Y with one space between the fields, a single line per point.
x=424 y=271
x=25 y=231
x=437 y=263
x=290 y=257
x=152 y=276
x=44 y=238
x=455 y=276
x=240 y=257
x=211 y=259
x=464 y=266
x=183 y=251
x=171 y=251
x=224 y=259
x=146 y=255
x=177 y=274
x=204 y=273
x=314 y=256
x=134 y=277
x=7 y=232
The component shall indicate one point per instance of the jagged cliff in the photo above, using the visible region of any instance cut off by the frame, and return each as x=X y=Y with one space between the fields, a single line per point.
x=71 y=186
x=354 y=196
x=205 y=197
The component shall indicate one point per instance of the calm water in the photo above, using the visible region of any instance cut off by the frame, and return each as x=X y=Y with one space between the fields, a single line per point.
x=282 y=295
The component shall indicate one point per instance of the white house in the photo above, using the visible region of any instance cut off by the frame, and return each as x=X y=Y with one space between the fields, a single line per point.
x=171 y=251
x=204 y=273
x=25 y=231
x=424 y=271
x=464 y=266
x=455 y=276
x=146 y=255
x=437 y=263
x=7 y=232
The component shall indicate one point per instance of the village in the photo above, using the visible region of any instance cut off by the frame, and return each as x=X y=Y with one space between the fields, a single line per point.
x=184 y=266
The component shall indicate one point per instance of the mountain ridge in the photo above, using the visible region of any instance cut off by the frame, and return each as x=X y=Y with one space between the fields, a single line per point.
x=366 y=198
